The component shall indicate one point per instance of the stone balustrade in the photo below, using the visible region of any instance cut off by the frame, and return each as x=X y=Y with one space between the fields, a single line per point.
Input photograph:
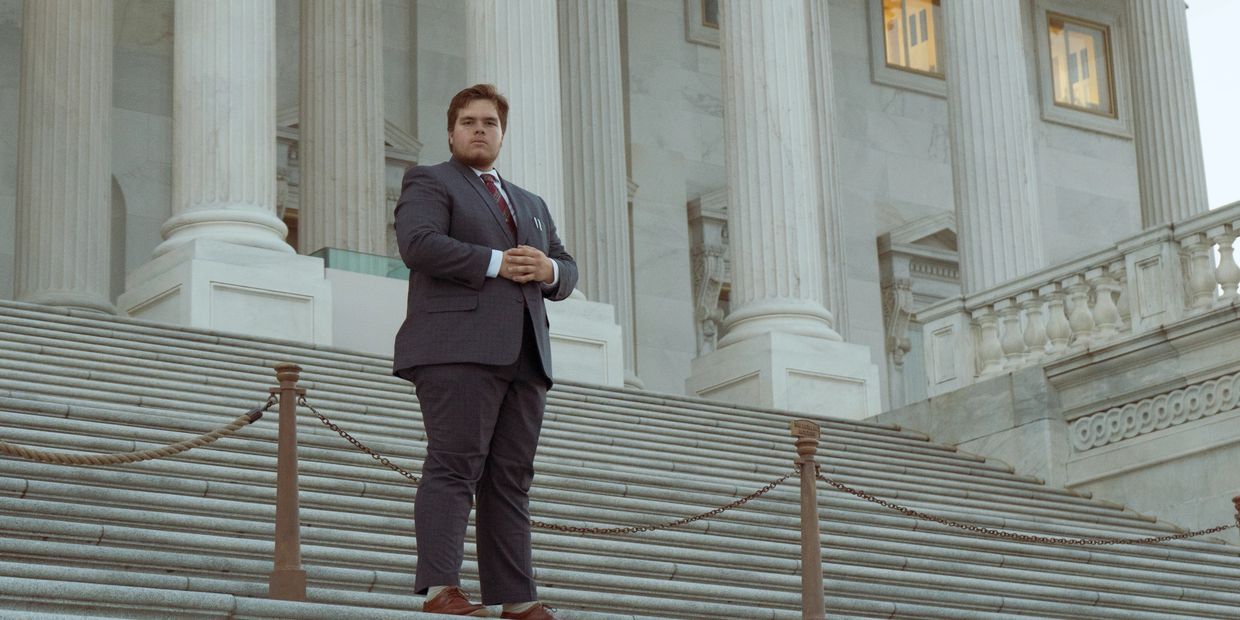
x=1140 y=284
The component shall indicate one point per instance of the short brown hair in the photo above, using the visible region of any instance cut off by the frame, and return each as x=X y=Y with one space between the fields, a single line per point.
x=473 y=93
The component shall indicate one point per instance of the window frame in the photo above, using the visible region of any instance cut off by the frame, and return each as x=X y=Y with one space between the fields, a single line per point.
x=885 y=74
x=1110 y=17
x=696 y=30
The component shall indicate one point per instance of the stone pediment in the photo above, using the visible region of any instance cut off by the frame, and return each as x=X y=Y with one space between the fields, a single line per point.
x=399 y=144
x=935 y=234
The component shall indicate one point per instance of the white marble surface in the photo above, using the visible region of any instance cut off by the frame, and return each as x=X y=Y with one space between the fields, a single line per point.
x=63 y=238
x=234 y=288
x=822 y=378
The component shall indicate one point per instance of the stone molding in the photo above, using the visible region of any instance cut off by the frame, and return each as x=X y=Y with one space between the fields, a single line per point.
x=1175 y=408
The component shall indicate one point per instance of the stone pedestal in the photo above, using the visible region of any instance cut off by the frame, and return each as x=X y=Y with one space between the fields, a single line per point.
x=822 y=378
x=234 y=288
x=64 y=187
x=586 y=343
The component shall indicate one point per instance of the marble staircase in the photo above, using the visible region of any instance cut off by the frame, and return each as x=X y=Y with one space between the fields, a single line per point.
x=191 y=536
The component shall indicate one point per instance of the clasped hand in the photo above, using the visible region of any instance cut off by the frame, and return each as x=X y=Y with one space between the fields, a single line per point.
x=526 y=264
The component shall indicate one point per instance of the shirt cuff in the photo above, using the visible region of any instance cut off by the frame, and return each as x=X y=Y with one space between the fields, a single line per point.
x=555 y=273
x=497 y=259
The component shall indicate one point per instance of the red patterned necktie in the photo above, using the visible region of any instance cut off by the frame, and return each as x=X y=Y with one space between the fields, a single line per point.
x=503 y=204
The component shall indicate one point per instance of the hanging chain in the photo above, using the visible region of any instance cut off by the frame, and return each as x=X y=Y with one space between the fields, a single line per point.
x=572 y=529
x=301 y=400
x=555 y=526
x=985 y=531
x=1045 y=540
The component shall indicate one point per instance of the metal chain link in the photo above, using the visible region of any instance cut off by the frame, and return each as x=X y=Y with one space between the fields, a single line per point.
x=670 y=524
x=1046 y=540
x=301 y=400
x=571 y=529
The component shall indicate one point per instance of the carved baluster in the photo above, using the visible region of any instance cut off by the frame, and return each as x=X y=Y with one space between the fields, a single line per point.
x=1058 y=330
x=1119 y=274
x=989 y=348
x=1035 y=328
x=1106 y=315
x=1200 y=265
x=1228 y=274
x=1079 y=316
x=1013 y=340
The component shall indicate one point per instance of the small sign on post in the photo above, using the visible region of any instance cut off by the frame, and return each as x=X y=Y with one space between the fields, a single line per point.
x=813 y=597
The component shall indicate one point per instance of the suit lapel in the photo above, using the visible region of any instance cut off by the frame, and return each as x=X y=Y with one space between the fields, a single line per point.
x=488 y=202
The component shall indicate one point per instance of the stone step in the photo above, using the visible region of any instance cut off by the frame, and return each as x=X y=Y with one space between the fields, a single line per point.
x=889 y=484
x=193 y=533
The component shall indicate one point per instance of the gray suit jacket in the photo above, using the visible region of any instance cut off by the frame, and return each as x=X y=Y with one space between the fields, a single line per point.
x=446 y=225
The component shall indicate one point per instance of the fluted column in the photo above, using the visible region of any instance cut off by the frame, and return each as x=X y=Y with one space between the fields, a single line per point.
x=773 y=219
x=64 y=188
x=822 y=73
x=514 y=45
x=223 y=146
x=342 y=156
x=596 y=214
x=991 y=132
x=1168 y=138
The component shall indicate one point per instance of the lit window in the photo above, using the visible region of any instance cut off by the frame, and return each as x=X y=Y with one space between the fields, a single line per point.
x=1081 y=64
x=912 y=35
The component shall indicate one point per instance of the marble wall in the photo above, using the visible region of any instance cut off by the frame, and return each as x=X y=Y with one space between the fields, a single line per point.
x=141 y=132
x=675 y=125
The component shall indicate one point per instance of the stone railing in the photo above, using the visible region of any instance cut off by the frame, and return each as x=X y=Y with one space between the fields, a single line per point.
x=1139 y=285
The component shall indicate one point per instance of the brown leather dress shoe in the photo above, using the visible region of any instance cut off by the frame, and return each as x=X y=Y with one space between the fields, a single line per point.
x=454 y=602
x=537 y=612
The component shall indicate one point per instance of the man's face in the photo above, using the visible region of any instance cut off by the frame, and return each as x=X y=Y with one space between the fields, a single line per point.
x=477 y=135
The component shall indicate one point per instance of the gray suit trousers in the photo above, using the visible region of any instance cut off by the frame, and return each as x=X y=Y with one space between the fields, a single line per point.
x=482 y=425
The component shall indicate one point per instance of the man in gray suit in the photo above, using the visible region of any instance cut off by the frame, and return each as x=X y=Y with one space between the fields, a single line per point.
x=483 y=254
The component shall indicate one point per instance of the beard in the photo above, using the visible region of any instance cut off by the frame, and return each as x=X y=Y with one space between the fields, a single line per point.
x=478 y=159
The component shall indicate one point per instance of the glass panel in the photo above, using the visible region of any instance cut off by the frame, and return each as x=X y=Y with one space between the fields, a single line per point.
x=913 y=31
x=1081 y=64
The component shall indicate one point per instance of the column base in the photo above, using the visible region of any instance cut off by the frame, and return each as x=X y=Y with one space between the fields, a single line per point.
x=586 y=342
x=70 y=299
x=820 y=377
x=233 y=288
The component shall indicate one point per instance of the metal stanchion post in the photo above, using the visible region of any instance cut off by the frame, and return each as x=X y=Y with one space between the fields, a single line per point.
x=813 y=597
x=288 y=580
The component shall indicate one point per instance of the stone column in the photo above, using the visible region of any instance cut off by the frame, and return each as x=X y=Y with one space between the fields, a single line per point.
x=779 y=348
x=64 y=188
x=224 y=126
x=822 y=74
x=342 y=156
x=773 y=219
x=224 y=264
x=596 y=217
x=515 y=46
x=1168 y=137
x=991 y=132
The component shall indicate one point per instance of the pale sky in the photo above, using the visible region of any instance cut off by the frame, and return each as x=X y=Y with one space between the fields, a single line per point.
x=1212 y=27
